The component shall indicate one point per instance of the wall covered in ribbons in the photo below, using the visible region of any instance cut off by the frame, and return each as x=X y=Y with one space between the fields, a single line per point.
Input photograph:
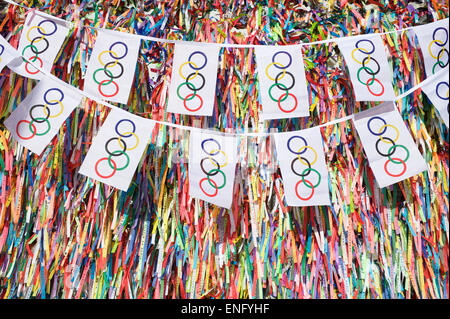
x=172 y=149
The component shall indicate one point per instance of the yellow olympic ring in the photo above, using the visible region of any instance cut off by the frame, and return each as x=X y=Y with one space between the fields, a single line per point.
x=188 y=62
x=128 y=148
x=429 y=48
x=56 y=115
x=223 y=153
x=267 y=71
x=360 y=49
x=301 y=160
x=392 y=126
x=107 y=51
x=35 y=27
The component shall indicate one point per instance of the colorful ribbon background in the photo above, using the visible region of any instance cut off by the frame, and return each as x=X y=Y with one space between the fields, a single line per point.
x=62 y=236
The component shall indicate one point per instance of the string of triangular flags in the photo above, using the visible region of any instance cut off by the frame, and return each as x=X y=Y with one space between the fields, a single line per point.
x=121 y=141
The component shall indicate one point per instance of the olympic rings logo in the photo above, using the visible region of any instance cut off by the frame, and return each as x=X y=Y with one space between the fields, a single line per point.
x=39 y=44
x=283 y=87
x=119 y=149
x=369 y=65
x=302 y=154
x=189 y=82
x=392 y=149
x=46 y=112
x=111 y=70
x=211 y=160
x=439 y=43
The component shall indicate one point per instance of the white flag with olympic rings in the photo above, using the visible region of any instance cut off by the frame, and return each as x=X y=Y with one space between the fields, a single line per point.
x=389 y=147
x=212 y=165
x=8 y=55
x=37 y=119
x=117 y=149
x=40 y=41
x=193 y=80
x=302 y=163
x=282 y=82
x=438 y=93
x=367 y=63
x=112 y=65
x=434 y=44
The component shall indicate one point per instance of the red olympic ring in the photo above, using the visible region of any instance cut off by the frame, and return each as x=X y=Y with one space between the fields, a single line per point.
x=395 y=175
x=193 y=110
x=307 y=182
x=32 y=125
x=281 y=98
x=105 y=95
x=35 y=58
x=368 y=87
x=215 y=185
x=105 y=176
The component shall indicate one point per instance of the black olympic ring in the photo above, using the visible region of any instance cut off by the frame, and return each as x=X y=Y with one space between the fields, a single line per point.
x=188 y=84
x=114 y=152
x=42 y=120
x=111 y=75
x=215 y=162
x=367 y=69
x=33 y=47
x=278 y=85
x=295 y=172
x=378 y=149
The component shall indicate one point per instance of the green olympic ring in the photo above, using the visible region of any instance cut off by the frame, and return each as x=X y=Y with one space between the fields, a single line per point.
x=223 y=175
x=191 y=86
x=30 y=126
x=359 y=79
x=286 y=95
x=118 y=154
x=391 y=151
x=304 y=174
x=30 y=46
x=106 y=71
x=440 y=63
